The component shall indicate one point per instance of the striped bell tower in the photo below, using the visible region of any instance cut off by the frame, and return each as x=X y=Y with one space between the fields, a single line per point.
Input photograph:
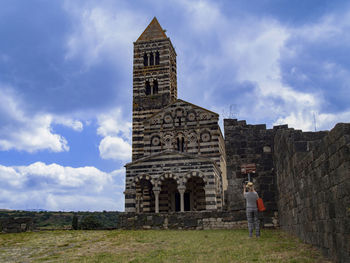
x=154 y=80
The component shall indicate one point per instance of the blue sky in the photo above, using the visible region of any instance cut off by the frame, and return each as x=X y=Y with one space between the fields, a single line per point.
x=66 y=83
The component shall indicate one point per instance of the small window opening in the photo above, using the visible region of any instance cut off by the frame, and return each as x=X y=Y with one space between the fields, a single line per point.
x=157 y=58
x=148 y=88
x=145 y=60
x=155 y=87
x=151 y=62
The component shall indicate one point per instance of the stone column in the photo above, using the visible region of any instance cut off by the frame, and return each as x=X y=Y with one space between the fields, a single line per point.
x=182 y=190
x=156 y=191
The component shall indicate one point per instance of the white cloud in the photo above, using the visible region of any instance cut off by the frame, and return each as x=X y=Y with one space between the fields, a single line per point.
x=116 y=134
x=56 y=187
x=9 y=176
x=253 y=54
x=220 y=53
x=68 y=122
x=102 y=32
x=258 y=55
x=204 y=16
x=67 y=176
x=114 y=148
x=22 y=132
x=112 y=124
x=314 y=120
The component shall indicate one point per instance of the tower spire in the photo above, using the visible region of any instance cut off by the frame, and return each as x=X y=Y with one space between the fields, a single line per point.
x=153 y=31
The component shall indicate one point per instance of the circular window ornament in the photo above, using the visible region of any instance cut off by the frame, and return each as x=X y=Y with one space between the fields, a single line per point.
x=168 y=119
x=191 y=116
x=205 y=137
x=155 y=141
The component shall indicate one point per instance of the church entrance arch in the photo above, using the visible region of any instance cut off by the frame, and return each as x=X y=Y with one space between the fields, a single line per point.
x=168 y=201
x=195 y=193
x=145 y=201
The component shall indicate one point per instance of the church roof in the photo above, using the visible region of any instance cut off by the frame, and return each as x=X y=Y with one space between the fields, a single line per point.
x=153 y=31
x=183 y=101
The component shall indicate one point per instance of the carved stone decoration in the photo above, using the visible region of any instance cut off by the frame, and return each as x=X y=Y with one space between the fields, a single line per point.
x=168 y=118
x=167 y=141
x=179 y=112
x=204 y=116
x=205 y=136
x=155 y=141
x=156 y=121
x=192 y=138
x=191 y=116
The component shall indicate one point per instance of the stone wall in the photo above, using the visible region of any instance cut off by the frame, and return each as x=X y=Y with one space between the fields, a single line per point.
x=246 y=144
x=186 y=220
x=16 y=224
x=313 y=181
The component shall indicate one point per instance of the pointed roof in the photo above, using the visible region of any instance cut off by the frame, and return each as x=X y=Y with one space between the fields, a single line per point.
x=183 y=101
x=153 y=31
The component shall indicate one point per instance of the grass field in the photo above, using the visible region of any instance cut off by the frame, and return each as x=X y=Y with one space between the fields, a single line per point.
x=154 y=246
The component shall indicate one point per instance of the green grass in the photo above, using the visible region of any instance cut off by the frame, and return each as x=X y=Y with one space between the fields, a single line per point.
x=154 y=246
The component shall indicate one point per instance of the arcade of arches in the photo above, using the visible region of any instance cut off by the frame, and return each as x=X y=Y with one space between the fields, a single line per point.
x=170 y=196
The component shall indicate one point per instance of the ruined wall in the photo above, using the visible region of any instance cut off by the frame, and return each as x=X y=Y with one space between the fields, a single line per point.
x=16 y=224
x=313 y=181
x=250 y=144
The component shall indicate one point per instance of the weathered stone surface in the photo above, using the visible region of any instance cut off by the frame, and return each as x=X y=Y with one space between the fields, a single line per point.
x=16 y=224
x=186 y=220
x=246 y=144
x=314 y=190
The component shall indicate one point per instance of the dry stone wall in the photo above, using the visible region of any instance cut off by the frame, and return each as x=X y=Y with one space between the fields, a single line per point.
x=313 y=182
x=186 y=220
x=16 y=224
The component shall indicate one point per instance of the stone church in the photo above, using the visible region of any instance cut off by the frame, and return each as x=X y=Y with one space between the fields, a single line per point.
x=182 y=162
x=178 y=150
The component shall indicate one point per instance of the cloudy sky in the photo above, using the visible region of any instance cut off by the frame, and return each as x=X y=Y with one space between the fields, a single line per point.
x=66 y=83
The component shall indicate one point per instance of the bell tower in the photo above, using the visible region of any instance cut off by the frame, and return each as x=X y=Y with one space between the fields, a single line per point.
x=154 y=80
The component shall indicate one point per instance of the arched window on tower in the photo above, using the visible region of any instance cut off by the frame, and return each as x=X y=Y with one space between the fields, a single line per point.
x=155 y=87
x=151 y=61
x=145 y=60
x=148 y=88
x=157 y=58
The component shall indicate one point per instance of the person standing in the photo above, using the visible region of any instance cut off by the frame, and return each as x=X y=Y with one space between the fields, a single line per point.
x=252 y=210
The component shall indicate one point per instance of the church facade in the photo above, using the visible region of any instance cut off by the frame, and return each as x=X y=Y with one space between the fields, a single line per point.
x=178 y=150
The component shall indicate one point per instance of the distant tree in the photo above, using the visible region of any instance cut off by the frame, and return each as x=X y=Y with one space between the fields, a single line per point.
x=75 y=222
x=90 y=222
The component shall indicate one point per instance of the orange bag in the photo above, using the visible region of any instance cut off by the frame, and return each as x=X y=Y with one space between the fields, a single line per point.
x=260 y=205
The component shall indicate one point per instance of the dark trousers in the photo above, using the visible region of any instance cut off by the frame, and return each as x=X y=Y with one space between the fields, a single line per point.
x=253 y=220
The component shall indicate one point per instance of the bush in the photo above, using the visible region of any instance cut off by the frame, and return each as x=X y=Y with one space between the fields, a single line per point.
x=90 y=223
